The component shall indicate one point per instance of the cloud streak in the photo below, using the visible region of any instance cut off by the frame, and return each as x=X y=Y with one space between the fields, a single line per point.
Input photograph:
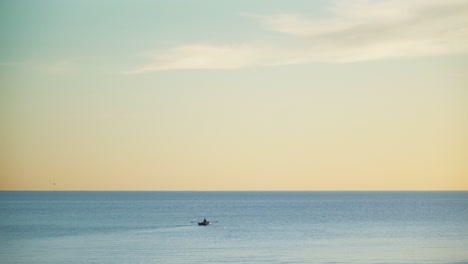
x=11 y=63
x=356 y=31
x=200 y=57
x=58 y=68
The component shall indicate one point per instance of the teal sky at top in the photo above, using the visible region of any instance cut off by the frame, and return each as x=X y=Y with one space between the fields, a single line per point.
x=35 y=30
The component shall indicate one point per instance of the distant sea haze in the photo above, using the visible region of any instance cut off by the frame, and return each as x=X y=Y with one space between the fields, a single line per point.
x=252 y=227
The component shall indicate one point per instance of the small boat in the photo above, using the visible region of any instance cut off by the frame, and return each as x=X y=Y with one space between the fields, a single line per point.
x=204 y=222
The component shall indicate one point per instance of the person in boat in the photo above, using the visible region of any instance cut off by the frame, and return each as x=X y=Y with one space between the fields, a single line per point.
x=204 y=220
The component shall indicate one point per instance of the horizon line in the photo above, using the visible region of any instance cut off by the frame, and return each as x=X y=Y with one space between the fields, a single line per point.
x=461 y=190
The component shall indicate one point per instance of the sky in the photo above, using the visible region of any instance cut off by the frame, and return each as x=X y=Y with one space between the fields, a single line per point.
x=234 y=95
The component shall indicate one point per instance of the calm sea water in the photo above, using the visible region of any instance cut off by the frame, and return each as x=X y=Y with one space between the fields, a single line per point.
x=253 y=227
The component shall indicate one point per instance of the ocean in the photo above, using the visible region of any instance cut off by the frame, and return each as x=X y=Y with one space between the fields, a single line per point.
x=253 y=227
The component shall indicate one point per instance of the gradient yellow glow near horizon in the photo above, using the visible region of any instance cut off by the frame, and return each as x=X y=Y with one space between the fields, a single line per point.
x=170 y=95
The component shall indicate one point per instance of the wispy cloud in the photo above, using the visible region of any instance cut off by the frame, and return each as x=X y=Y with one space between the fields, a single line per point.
x=365 y=30
x=356 y=31
x=201 y=57
x=62 y=67
x=11 y=63
x=58 y=68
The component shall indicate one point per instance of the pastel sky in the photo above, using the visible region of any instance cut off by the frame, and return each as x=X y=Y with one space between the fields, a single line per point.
x=234 y=95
